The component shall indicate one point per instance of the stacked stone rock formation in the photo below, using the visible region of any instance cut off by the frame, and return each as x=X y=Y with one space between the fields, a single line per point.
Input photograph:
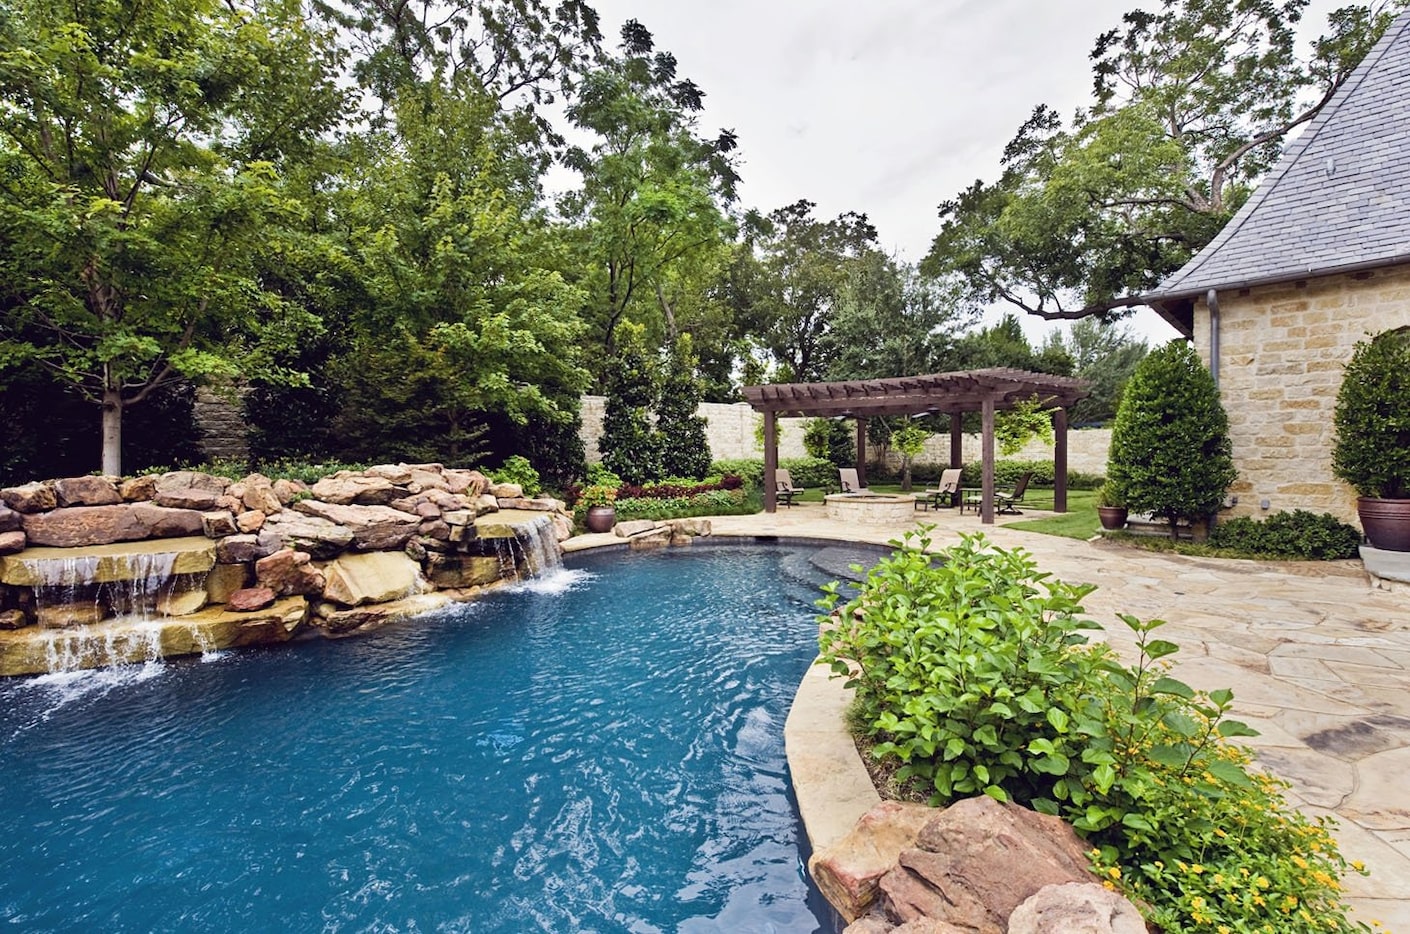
x=976 y=867
x=351 y=551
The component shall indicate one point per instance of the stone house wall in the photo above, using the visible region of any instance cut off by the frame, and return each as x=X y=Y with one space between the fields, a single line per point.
x=1282 y=352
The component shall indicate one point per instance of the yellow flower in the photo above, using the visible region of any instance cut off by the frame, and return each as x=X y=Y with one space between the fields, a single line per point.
x=1358 y=865
x=1109 y=885
x=1114 y=872
x=1258 y=900
x=1196 y=869
x=1224 y=929
x=1262 y=882
x=1219 y=832
x=1299 y=862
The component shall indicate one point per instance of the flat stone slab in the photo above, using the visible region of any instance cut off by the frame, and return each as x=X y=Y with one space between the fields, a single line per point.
x=127 y=640
x=120 y=561
x=507 y=523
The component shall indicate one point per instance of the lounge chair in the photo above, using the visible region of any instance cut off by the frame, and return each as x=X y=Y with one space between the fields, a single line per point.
x=943 y=494
x=847 y=477
x=1005 y=500
x=784 y=488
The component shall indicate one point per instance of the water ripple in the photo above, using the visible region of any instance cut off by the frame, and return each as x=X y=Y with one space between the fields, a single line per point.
x=599 y=753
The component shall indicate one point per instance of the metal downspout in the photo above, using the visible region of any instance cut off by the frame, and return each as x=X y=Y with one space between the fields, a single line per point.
x=1211 y=298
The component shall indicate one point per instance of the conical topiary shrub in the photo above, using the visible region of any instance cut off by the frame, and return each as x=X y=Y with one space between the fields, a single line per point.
x=1170 y=451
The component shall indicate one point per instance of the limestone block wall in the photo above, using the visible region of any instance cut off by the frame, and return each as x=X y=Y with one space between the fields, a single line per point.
x=1282 y=352
x=731 y=433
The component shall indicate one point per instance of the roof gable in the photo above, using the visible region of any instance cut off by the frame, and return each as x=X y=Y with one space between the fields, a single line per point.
x=1338 y=199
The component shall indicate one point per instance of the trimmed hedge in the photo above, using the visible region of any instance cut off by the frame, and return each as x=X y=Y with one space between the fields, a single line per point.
x=807 y=472
x=1294 y=534
x=1007 y=472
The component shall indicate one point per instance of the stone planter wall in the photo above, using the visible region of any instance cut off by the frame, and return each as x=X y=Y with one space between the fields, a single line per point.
x=102 y=570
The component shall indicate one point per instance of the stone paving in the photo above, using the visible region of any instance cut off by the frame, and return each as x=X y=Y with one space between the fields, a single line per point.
x=1319 y=662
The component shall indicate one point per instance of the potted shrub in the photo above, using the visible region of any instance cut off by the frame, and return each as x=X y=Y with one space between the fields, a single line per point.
x=601 y=511
x=1111 y=507
x=1372 y=448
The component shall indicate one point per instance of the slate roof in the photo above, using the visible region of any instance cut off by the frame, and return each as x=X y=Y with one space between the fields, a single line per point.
x=1338 y=199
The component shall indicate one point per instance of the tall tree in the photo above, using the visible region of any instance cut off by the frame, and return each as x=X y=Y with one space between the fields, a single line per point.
x=1191 y=107
x=655 y=191
x=794 y=278
x=629 y=445
x=685 y=448
x=139 y=151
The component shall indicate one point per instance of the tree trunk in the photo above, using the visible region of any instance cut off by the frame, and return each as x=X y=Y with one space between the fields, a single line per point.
x=112 y=433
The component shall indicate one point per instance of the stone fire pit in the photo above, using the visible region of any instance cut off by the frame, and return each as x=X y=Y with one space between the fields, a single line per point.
x=871 y=508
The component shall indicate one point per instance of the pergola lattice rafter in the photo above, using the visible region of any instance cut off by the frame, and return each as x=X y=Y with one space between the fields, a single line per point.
x=986 y=391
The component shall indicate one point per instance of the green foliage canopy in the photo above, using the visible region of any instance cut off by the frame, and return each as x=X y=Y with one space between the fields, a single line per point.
x=140 y=148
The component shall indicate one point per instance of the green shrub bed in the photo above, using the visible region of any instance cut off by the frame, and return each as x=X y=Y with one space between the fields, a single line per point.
x=807 y=472
x=1007 y=473
x=974 y=675
x=1295 y=534
x=719 y=502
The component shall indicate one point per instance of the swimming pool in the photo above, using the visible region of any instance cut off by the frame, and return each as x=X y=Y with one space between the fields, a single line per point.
x=600 y=752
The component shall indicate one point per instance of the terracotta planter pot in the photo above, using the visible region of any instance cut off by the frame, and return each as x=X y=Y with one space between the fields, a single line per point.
x=1386 y=522
x=1113 y=518
x=600 y=518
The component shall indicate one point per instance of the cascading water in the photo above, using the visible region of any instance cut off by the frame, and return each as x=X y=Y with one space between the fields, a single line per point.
x=531 y=552
x=88 y=590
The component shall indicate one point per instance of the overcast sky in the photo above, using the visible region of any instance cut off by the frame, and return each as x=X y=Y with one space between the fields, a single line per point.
x=885 y=107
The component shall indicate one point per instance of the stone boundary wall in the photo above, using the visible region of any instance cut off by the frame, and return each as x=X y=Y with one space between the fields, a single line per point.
x=1282 y=352
x=731 y=429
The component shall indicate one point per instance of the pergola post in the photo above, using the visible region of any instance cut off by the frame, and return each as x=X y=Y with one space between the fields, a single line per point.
x=770 y=461
x=862 y=451
x=986 y=508
x=1060 y=460
x=956 y=439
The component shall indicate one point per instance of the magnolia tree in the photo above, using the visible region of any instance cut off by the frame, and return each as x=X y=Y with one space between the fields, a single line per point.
x=1170 y=450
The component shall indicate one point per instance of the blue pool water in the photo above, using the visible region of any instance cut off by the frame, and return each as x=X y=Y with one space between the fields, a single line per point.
x=602 y=752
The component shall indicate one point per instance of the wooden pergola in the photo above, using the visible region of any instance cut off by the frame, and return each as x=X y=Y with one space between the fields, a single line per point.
x=985 y=391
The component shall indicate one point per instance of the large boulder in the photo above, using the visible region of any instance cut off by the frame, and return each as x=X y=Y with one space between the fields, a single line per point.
x=371 y=577
x=289 y=490
x=374 y=528
x=191 y=480
x=847 y=872
x=1076 y=908
x=978 y=861
x=11 y=542
x=86 y=491
x=242 y=549
x=73 y=526
x=250 y=599
x=470 y=483
x=258 y=494
x=343 y=489
x=189 y=489
x=454 y=572
x=162 y=522
x=335 y=621
x=29 y=497
x=288 y=572
x=10 y=521
x=137 y=489
x=321 y=538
